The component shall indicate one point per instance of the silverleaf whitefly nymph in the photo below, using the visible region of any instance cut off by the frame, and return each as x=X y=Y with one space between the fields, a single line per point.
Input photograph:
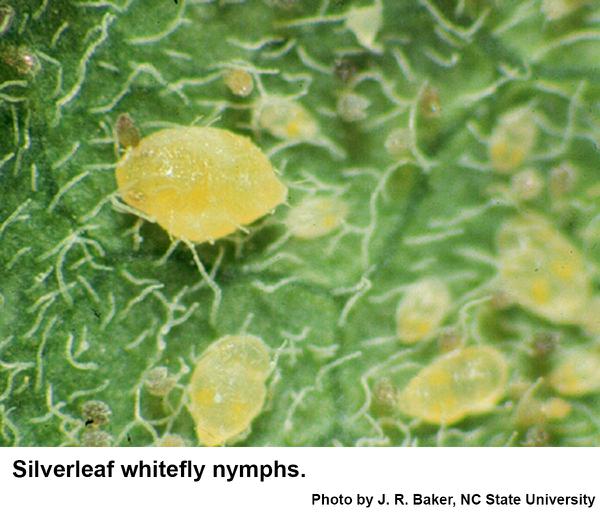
x=199 y=183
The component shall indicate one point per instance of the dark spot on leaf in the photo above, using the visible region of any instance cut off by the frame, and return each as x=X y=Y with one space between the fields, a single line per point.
x=127 y=134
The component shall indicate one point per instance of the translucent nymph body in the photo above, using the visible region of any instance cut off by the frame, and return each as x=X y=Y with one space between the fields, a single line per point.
x=199 y=183
x=287 y=119
x=422 y=310
x=227 y=389
x=535 y=408
x=398 y=143
x=576 y=373
x=352 y=107
x=463 y=382
x=590 y=320
x=365 y=22
x=239 y=82
x=512 y=139
x=158 y=381
x=527 y=185
x=315 y=217
x=532 y=411
x=542 y=270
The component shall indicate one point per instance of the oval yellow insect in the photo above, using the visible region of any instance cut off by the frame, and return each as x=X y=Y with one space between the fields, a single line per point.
x=458 y=384
x=535 y=410
x=562 y=180
x=352 y=107
x=422 y=310
x=527 y=185
x=398 y=143
x=576 y=373
x=513 y=139
x=199 y=183
x=287 y=119
x=239 y=82
x=589 y=318
x=159 y=382
x=365 y=22
x=542 y=270
x=315 y=217
x=227 y=389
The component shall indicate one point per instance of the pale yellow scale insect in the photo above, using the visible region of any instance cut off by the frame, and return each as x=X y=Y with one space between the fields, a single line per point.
x=286 y=119
x=365 y=22
x=199 y=183
x=227 y=389
x=542 y=270
x=314 y=217
x=159 y=382
x=239 y=82
x=562 y=180
x=461 y=383
x=512 y=139
x=556 y=408
x=398 y=143
x=590 y=319
x=576 y=372
x=422 y=310
x=533 y=410
x=526 y=185
x=352 y=107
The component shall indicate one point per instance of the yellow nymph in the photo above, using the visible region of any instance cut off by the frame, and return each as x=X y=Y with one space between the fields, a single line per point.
x=199 y=183
x=239 y=82
x=458 y=384
x=365 y=22
x=542 y=270
x=576 y=372
x=534 y=409
x=287 y=119
x=422 y=310
x=227 y=389
x=315 y=217
x=513 y=139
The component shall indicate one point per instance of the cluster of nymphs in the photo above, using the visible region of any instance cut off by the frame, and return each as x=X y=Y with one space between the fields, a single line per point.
x=510 y=144
x=229 y=182
x=96 y=416
x=203 y=183
x=541 y=271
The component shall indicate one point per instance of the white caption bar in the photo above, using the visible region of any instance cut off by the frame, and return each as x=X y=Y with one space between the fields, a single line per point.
x=299 y=481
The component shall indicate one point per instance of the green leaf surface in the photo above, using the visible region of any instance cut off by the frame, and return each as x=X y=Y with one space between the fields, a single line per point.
x=92 y=298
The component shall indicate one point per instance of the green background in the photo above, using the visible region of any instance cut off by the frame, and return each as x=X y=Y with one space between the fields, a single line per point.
x=86 y=305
